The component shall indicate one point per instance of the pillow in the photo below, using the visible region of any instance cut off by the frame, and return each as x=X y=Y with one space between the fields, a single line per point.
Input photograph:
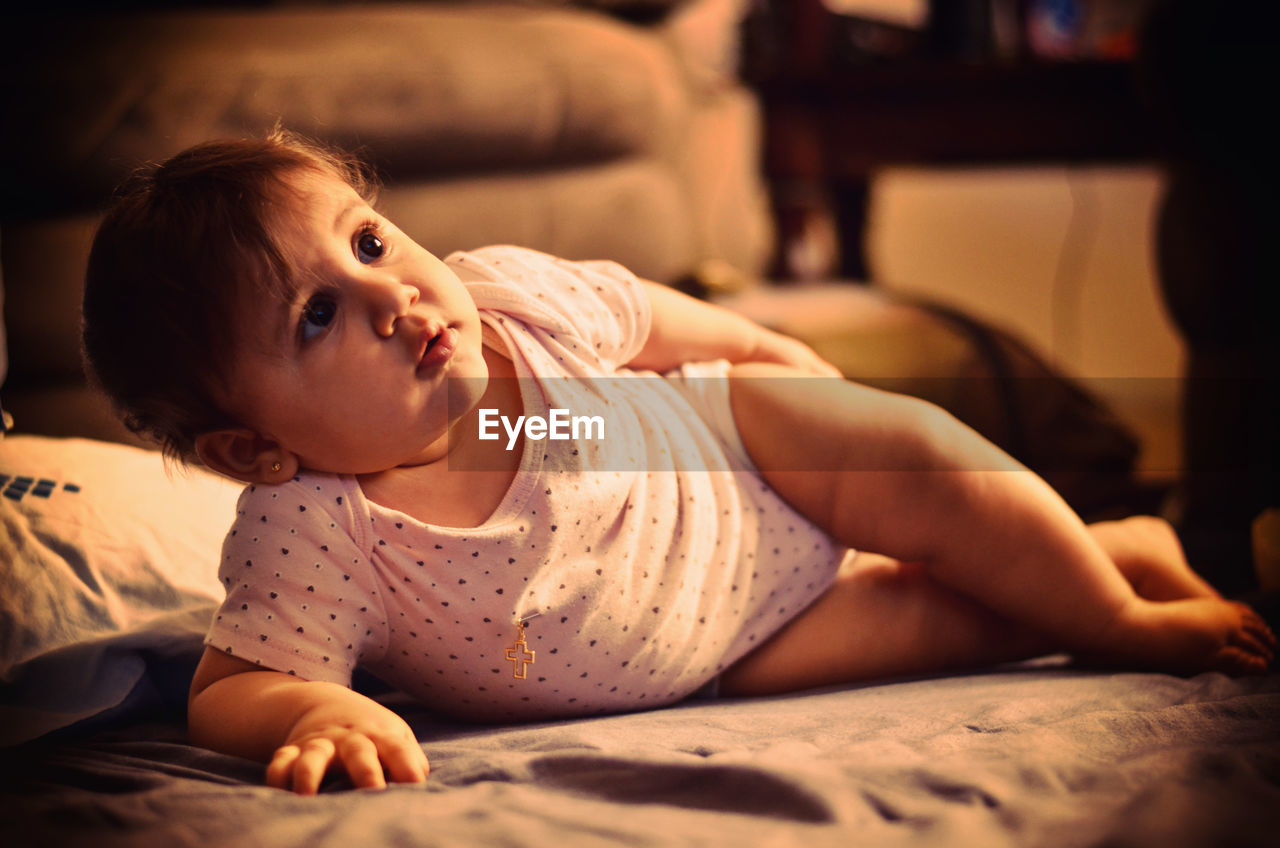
x=105 y=555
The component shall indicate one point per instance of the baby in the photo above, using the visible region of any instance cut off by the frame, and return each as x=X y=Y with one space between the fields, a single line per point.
x=247 y=307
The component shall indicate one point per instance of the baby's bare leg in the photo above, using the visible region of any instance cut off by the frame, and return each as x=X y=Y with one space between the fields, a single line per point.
x=882 y=618
x=903 y=479
x=1147 y=552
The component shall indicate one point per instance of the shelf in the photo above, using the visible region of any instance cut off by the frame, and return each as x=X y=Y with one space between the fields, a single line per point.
x=845 y=124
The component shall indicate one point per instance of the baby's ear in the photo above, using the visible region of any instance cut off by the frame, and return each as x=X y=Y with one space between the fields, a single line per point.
x=244 y=455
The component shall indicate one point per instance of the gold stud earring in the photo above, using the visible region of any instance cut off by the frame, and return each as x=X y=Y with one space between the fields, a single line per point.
x=275 y=466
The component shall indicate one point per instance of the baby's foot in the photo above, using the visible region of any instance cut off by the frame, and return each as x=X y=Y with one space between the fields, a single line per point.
x=1148 y=553
x=1198 y=634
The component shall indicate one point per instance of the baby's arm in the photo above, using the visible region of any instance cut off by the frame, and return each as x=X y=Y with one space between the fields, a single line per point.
x=685 y=329
x=300 y=728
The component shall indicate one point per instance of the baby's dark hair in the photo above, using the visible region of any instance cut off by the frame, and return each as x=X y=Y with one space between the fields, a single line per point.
x=181 y=243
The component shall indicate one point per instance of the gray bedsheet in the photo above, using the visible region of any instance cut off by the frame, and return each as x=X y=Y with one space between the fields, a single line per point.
x=1032 y=755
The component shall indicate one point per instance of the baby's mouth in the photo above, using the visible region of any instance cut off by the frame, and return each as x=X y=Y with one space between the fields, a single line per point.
x=438 y=350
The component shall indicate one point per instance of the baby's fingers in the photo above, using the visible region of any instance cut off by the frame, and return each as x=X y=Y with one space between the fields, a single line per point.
x=301 y=766
x=359 y=756
x=280 y=769
x=404 y=760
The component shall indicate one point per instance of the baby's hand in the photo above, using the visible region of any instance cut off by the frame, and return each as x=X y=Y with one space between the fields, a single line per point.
x=366 y=740
x=784 y=350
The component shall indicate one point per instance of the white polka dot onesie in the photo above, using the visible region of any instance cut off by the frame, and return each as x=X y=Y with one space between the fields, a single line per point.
x=639 y=584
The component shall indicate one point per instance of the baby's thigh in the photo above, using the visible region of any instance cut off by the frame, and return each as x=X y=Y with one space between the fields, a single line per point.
x=840 y=453
x=781 y=417
x=793 y=421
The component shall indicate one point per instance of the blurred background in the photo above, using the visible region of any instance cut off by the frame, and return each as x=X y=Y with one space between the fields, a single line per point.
x=1010 y=170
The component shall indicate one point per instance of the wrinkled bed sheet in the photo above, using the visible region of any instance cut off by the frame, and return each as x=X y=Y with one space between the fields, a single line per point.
x=1033 y=755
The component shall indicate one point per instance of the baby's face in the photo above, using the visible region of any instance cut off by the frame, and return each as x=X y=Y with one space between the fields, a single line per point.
x=351 y=375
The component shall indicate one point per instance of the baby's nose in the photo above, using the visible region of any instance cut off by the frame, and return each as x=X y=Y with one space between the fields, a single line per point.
x=390 y=301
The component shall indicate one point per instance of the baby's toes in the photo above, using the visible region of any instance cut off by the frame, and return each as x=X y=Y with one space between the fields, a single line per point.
x=1250 y=644
x=1255 y=624
x=1258 y=625
x=1237 y=662
x=1253 y=636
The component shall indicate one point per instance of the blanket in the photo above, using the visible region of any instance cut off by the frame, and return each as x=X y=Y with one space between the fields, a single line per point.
x=1029 y=755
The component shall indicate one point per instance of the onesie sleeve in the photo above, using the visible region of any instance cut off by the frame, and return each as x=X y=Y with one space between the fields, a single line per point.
x=599 y=302
x=301 y=597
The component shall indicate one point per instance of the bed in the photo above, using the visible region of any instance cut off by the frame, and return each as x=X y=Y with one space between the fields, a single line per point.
x=108 y=585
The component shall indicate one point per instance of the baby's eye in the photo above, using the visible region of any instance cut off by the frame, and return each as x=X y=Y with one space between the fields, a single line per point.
x=317 y=315
x=368 y=247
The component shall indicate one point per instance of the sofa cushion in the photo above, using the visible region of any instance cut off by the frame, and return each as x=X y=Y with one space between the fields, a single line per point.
x=426 y=89
x=589 y=212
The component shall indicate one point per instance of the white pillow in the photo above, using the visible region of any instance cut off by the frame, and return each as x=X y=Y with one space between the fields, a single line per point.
x=103 y=552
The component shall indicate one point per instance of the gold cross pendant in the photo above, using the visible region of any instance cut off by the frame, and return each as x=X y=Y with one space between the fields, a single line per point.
x=519 y=654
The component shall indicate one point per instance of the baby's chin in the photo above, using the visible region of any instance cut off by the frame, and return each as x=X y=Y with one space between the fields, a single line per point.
x=465 y=387
x=465 y=394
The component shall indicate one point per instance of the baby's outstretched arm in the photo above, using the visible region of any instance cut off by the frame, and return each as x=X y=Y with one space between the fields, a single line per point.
x=300 y=728
x=685 y=329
